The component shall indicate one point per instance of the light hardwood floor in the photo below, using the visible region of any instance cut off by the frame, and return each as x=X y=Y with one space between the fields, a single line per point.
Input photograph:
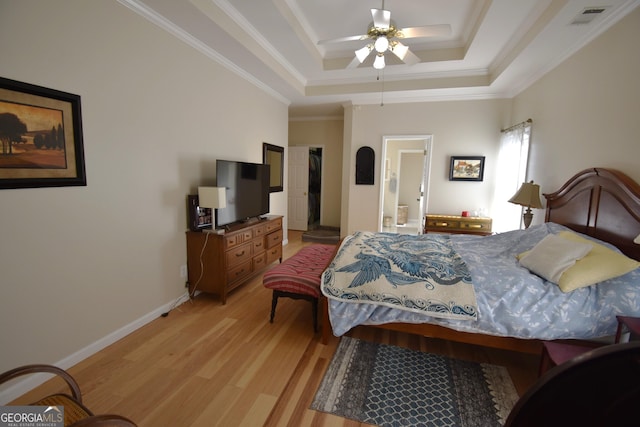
x=208 y=364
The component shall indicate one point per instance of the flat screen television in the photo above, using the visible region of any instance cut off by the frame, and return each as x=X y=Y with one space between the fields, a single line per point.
x=246 y=189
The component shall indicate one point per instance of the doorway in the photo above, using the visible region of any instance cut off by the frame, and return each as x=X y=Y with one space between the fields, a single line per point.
x=305 y=187
x=404 y=191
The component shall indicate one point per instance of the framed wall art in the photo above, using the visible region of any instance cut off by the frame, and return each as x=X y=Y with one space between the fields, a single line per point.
x=466 y=168
x=40 y=137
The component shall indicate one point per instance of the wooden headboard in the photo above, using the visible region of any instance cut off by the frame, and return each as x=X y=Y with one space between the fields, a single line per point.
x=602 y=203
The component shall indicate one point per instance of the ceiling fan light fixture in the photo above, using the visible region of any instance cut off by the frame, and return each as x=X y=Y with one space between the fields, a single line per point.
x=362 y=53
x=399 y=50
x=381 y=44
x=378 y=64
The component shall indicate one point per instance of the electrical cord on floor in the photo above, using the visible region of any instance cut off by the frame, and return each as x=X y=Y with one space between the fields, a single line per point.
x=175 y=303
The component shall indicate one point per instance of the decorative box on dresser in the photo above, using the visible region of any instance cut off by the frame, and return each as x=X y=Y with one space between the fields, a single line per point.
x=457 y=224
x=230 y=259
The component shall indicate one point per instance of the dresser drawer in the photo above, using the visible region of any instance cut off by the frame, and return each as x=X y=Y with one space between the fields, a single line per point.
x=274 y=254
x=232 y=240
x=442 y=223
x=240 y=254
x=259 y=231
x=258 y=245
x=259 y=261
x=476 y=226
x=274 y=225
x=239 y=271
x=274 y=239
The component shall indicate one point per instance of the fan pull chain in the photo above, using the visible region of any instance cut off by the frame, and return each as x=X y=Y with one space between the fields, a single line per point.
x=382 y=91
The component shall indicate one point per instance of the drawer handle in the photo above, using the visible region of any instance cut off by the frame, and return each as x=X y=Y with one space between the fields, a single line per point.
x=258 y=244
x=441 y=224
x=240 y=254
x=474 y=225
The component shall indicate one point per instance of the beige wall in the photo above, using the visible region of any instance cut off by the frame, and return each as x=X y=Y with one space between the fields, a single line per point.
x=328 y=135
x=586 y=111
x=458 y=128
x=80 y=265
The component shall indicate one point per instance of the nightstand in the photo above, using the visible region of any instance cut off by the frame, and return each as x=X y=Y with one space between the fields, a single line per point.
x=457 y=224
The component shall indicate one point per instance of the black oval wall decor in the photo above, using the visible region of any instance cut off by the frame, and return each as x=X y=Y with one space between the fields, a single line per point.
x=365 y=166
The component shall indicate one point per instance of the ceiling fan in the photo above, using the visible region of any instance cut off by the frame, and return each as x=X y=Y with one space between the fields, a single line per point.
x=384 y=36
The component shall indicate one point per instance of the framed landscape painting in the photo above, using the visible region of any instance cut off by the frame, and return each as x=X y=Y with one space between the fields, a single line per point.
x=466 y=168
x=40 y=137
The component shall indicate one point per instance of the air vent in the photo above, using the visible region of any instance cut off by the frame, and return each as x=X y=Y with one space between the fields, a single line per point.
x=588 y=15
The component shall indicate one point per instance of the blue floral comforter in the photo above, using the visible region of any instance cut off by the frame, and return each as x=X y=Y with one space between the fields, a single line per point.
x=510 y=300
x=423 y=275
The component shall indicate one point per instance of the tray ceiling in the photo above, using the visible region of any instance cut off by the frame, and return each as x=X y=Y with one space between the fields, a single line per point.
x=496 y=48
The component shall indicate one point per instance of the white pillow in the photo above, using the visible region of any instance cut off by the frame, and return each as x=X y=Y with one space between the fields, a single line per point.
x=553 y=255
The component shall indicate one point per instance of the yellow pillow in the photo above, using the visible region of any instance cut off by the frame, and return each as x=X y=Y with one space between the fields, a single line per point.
x=600 y=264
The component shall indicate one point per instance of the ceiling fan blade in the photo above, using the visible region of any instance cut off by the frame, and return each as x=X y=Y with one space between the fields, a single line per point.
x=354 y=63
x=381 y=18
x=344 y=39
x=441 y=30
x=410 y=58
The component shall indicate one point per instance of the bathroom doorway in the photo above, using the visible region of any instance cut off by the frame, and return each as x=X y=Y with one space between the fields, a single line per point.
x=404 y=197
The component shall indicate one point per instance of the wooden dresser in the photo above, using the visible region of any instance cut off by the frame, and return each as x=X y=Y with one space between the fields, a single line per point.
x=230 y=259
x=457 y=224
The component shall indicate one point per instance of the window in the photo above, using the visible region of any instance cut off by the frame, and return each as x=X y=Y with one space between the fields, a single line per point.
x=511 y=172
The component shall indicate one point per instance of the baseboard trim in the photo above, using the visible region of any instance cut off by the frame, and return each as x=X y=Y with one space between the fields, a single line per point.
x=32 y=381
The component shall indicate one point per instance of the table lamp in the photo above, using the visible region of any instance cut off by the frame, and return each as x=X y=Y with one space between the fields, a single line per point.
x=213 y=198
x=528 y=196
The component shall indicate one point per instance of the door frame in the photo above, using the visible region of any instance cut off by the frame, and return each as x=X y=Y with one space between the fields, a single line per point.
x=428 y=150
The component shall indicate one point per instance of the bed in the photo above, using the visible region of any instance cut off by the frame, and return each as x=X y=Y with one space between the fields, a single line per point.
x=513 y=309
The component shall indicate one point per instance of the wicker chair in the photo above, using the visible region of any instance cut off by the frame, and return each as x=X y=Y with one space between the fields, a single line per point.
x=75 y=413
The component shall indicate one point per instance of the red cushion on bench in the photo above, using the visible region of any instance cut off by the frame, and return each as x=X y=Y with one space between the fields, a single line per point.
x=301 y=273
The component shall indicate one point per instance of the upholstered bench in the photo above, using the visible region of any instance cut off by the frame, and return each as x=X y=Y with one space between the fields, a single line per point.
x=298 y=277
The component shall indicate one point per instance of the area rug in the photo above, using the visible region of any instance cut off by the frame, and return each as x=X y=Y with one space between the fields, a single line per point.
x=387 y=385
x=327 y=235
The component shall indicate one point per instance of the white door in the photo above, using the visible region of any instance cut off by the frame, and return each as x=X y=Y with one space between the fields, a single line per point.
x=298 y=201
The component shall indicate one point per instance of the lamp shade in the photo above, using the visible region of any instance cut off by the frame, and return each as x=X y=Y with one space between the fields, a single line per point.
x=528 y=195
x=400 y=50
x=212 y=197
x=362 y=53
x=378 y=64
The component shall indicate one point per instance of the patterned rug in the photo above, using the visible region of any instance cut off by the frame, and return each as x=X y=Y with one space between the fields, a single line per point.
x=392 y=386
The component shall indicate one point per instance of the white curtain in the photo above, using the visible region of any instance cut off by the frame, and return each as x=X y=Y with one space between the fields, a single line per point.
x=511 y=173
